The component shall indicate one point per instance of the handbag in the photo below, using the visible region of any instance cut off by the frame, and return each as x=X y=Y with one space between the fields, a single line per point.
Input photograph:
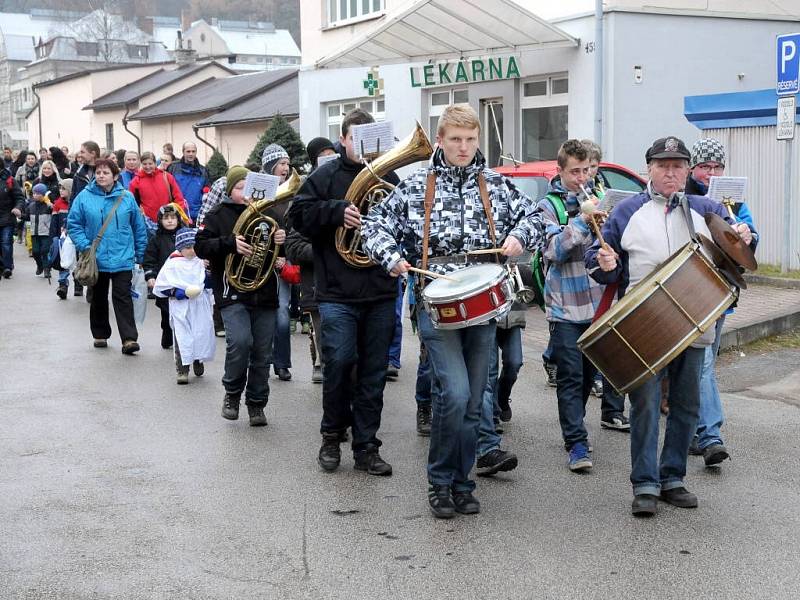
x=86 y=266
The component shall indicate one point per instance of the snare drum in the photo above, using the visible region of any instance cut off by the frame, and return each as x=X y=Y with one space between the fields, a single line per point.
x=478 y=294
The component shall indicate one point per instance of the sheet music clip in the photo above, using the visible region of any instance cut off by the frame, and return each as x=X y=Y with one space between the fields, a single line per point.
x=370 y=156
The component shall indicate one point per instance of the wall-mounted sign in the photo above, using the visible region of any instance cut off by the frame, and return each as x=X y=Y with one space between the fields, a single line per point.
x=373 y=84
x=465 y=71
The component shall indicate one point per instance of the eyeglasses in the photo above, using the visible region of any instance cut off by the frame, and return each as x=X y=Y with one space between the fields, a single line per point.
x=709 y=168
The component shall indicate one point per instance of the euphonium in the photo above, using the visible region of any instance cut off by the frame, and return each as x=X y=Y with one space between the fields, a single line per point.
x=248 y=273
x=368 y=188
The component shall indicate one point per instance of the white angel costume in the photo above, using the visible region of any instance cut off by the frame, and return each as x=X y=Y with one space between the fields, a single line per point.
x=191 y=318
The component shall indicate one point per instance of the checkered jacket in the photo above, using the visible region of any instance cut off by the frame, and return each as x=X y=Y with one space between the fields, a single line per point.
x=393 y=229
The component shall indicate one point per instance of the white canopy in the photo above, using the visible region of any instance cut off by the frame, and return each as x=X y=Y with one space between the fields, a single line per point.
x=447 y=29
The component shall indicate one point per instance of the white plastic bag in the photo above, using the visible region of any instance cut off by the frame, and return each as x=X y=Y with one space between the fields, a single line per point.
x=139 y=295
x=68 y=254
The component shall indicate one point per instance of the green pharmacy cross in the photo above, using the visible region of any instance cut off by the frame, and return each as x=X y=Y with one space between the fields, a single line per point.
x=373 y=84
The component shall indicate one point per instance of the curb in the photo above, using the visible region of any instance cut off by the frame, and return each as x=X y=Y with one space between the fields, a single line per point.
x=756 y=330
x=778 y=282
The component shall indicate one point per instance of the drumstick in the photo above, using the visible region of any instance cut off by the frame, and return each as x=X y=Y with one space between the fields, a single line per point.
x=431 y=274
x=486 y=251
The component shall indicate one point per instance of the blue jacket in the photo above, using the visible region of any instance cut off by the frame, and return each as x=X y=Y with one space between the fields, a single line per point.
x=125 y=239
x=191 y=179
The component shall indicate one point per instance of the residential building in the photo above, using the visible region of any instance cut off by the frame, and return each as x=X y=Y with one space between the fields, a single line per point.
x=536 y=82
x=251 y=46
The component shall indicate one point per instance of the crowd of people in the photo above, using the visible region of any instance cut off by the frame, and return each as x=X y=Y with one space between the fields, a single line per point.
x=162 y=215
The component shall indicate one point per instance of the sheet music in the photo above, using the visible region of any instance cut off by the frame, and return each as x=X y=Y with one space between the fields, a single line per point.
x=321 y=160
x=727 y=187
x=366 y=137
x=261 y=186
x=614 y=197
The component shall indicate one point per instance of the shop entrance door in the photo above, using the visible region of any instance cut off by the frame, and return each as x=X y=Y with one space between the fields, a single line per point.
x=492 y=126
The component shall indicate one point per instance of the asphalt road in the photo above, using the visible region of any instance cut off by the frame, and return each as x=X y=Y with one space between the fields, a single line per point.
x=117 y=483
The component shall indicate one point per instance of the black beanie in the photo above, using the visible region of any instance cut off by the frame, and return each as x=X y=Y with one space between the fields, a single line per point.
x=316 y=146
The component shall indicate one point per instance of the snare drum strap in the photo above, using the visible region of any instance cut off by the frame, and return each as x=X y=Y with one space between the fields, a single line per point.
x=488 y=210
x=687 y=214
x=430 y=191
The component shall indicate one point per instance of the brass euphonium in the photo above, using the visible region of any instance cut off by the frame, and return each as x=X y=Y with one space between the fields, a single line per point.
x=248 y=273
x=368 y=188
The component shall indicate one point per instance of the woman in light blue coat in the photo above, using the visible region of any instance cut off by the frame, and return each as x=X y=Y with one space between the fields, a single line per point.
x=120 y=249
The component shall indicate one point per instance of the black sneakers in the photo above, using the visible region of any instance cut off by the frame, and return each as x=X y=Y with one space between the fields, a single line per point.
x=680 y=497
x=256 y=413
x=715 y=454
x=644 y=505
x=61 y=292
x=283 y=374
x=199 y=368
x=551 y=372
x=130 y=347
x=166 y=339
x=466 y=503
x=505 y=409
x=371 y=462
x=424 y=419
x=329 y=454
x=495 y=461
x=441 y=501
x=230 y=407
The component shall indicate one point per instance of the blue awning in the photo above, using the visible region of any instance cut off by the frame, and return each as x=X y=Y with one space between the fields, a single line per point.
x=737 y=109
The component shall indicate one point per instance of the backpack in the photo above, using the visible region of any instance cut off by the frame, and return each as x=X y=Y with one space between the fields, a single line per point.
x=537 y=261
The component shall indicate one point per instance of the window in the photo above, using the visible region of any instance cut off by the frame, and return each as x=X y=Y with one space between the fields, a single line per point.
x=439 y=100
x=544 y=116
x=619 y=180
x=338 y=110
x=86 y=48
x=110 y=136
x=346 y=10
x=137 y=52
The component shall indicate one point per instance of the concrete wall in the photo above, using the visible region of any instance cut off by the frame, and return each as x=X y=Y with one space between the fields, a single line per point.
x=317 y=39
x=63 y=120
x=211 y=46
x=236 y=142
x=680 y=56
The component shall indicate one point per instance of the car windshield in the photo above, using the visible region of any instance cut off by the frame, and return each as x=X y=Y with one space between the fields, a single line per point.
x=533 y=187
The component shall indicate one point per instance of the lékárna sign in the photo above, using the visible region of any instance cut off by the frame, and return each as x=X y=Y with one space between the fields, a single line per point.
x=465 y=71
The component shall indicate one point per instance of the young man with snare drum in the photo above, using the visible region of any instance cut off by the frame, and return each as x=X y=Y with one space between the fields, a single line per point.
x=642 y=232
x=393 y=234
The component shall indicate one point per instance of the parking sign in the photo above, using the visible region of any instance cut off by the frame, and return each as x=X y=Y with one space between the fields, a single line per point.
x=788 y=64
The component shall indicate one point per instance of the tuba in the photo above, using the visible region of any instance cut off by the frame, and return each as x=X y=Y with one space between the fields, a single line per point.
x=248 y=273
x=369 y=188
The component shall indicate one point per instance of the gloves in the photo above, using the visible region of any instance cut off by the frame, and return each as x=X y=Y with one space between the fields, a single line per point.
x=291 y=273
x=180 y=294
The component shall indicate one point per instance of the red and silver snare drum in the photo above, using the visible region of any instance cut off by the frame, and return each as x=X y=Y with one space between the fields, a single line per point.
x=480 y=293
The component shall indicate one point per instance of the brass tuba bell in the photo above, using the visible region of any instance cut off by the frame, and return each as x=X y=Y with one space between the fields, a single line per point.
x=248 y=273
x=369 y=188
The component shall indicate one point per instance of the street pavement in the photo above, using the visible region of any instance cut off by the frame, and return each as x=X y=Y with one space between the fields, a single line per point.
x=117 y=483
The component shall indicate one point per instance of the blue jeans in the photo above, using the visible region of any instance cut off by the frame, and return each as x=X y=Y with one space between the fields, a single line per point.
x=488 y=438
x=648 y=474
x=7 y=246
x=423 y=388
x=355 y=335
x=711 y=416
x=282 y=348
x=397 y=340
x=575 y=376
x=248 y=337
x=460 y=361
x=613 y=403
x=63 y=277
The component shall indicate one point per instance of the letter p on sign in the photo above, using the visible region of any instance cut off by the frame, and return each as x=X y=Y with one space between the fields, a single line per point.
x=788 y=77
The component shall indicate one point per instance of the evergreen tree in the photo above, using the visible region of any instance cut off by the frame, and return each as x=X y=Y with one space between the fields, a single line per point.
x=217 y=166
x=281 y=133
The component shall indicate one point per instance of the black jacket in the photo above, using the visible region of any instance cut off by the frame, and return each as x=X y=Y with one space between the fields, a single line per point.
x=300 y=252
x=215 y=242
x=80 y=180
x=317 y=212
x=160 y=246
x=11 y=197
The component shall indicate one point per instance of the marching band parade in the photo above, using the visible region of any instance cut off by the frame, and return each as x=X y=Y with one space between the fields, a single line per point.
x=455 y=231
x=386 y=233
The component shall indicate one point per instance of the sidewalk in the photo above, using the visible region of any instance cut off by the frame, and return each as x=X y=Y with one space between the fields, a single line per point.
x=762 y=311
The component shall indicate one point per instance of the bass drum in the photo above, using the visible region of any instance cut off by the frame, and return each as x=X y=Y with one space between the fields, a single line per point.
x=658 y=319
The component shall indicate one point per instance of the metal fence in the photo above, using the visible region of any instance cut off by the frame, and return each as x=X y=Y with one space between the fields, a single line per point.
x=755 y=153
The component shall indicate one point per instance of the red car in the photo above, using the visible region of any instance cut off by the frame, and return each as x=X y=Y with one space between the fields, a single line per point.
x=533 y=178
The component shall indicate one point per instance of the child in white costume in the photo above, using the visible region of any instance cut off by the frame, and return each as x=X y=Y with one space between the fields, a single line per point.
x=183 y=280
